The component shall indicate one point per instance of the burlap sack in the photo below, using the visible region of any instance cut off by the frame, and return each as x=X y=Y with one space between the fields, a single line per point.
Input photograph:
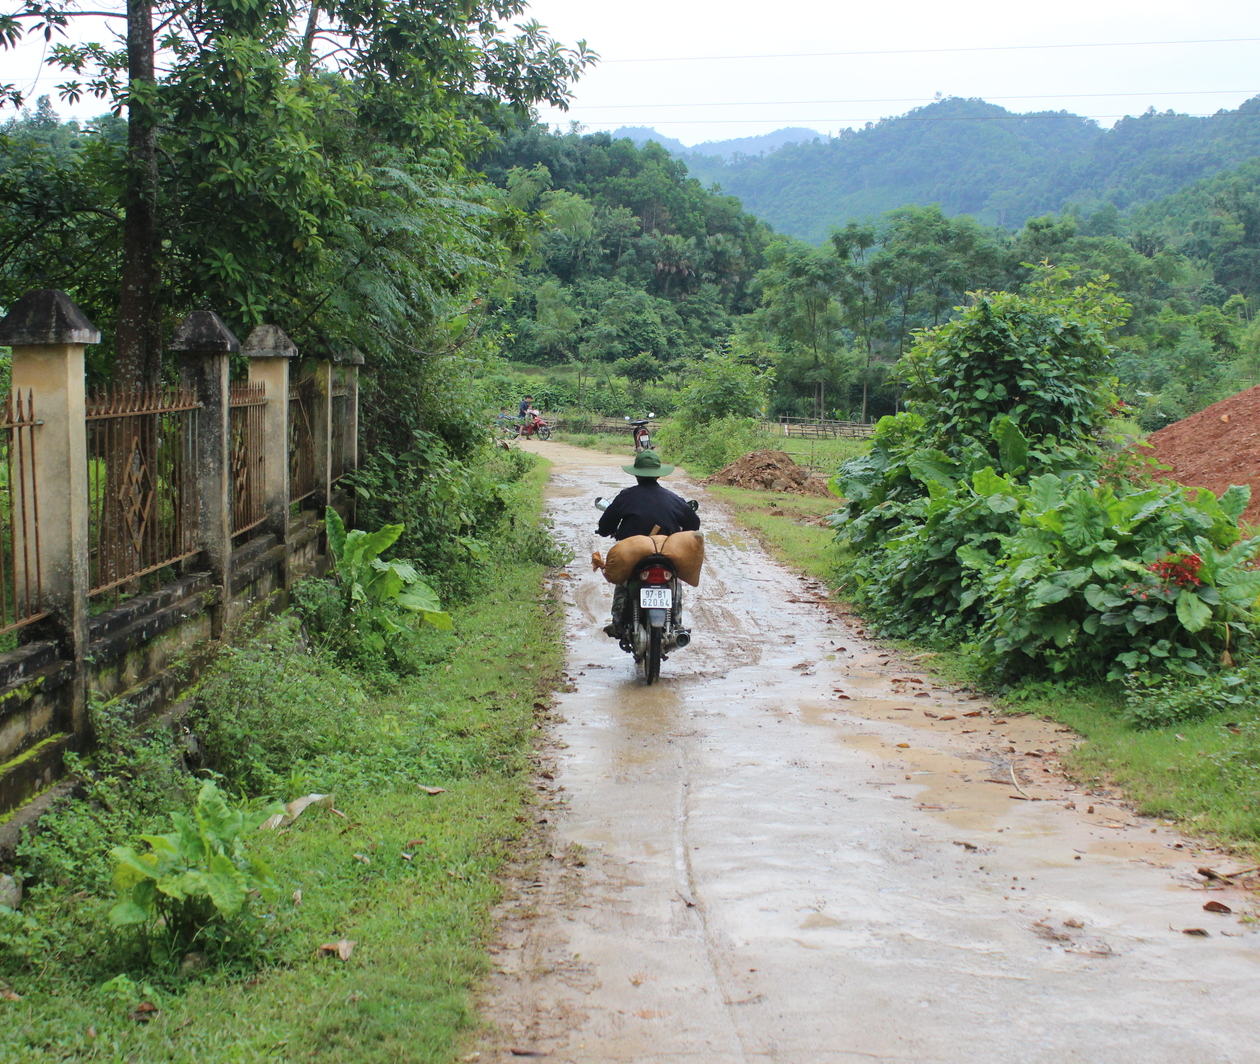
x=684 y=549
x=625 y=554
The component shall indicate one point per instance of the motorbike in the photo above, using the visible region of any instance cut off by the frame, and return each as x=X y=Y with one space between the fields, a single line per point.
x=534 y=425
x=651 y=625
x=639 y=430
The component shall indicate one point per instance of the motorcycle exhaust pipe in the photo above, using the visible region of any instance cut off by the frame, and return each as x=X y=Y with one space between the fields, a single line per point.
x=681 y=639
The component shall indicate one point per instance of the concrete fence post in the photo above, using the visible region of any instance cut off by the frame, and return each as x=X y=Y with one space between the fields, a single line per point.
x=48 y=334
x=270 y=353
x=353 y=362
x=206 y=346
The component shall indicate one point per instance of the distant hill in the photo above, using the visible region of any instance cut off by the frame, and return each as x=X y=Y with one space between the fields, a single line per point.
x=976 y=158
x=721 y=149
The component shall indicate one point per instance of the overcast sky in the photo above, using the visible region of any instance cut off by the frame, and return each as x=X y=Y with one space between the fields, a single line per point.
x=829 y=65
x=695 y=99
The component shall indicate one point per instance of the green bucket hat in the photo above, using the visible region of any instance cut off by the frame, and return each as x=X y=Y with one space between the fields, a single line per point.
x=648 y=464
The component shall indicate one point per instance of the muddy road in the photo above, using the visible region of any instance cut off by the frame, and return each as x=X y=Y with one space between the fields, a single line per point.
x=795 y=848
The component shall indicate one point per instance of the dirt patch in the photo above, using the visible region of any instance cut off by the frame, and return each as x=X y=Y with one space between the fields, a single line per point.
x=1217 y=447
x=770 y=471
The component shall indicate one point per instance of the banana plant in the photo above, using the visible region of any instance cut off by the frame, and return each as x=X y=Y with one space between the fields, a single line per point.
x=367 y=579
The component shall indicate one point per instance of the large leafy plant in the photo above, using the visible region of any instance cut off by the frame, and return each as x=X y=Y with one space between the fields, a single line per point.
x=1100 y=580
x=389 y=589
x=193 y=886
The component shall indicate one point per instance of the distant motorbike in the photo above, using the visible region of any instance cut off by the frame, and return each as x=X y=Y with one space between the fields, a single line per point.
x=650 y=626
x=534 y=425
x=639 y=430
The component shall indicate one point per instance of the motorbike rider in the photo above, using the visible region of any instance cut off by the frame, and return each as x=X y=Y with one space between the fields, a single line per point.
x=639 y=510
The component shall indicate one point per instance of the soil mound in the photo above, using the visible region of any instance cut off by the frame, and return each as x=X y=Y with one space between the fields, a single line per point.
x=770 y=471
x=1217 y=447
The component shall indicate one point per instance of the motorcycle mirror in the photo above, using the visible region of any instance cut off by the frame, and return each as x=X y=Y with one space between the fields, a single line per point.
x=651 y=415
x=627 y=417
x=694 y=504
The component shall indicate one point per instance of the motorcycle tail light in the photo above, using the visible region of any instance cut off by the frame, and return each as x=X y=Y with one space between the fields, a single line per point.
x=656 y=574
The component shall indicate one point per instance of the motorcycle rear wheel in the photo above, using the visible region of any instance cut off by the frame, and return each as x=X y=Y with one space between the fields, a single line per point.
x=652 y=659
x=544 y=432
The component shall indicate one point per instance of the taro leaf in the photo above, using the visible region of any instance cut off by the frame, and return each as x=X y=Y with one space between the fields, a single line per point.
x=127 y=912
x=1045 y=492
x=1193 y=613
x=1012 y=445
x=336 y=531
x=1082 y=520
x=1101 y=599
x=1235 y=499
x=1046 y=593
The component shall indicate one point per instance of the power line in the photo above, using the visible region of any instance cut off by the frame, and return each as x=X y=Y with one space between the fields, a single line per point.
x=915 y=99
x=932 y=51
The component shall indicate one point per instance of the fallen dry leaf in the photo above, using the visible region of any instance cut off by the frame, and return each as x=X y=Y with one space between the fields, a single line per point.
x=8 y=995
x=295 y=809
x=1198 y=932
x=434 y=790
x=363 y=858
x=342 y=948
x=1073 y=923
x=1216 y=907
x=144 y=1012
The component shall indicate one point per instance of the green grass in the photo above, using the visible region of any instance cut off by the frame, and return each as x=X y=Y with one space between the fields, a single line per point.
x=466 y=723
x=1198 y=774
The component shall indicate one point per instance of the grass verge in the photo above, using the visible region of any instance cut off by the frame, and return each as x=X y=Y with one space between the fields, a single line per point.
x=432 y=776
x=1198 y=774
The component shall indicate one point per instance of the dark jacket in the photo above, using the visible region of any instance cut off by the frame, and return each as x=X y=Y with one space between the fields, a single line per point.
x=638 y=509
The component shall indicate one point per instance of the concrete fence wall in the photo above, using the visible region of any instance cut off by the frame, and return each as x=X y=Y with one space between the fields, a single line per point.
x=146 y=640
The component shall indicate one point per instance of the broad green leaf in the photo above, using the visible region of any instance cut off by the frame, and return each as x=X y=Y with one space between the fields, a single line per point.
x=1082 y=520
x=376 y=543
x=1101 y=599
x=1235 y=499
x=225 y=886
x=336 y=531
x=127 y=913
x=1047 y=593
x=1193 y=613
x=1012 y=445
x=1045 y=492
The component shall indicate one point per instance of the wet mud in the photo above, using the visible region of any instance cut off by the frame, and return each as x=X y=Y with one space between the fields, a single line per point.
x=796 y=848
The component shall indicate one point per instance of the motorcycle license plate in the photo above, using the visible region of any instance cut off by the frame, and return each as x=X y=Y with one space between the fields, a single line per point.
x=655 y=598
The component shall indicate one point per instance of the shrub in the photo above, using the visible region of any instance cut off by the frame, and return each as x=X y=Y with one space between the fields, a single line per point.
x=193 y=887
x=271 y=709
x=707 y=447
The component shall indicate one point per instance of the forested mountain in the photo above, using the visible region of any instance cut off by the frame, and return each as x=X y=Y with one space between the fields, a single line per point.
x=638 y=273
x=634 y=262
x=976 y=158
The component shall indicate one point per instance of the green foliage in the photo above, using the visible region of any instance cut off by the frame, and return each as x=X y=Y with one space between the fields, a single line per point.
x=1046 y=566
x=1039 y=359
x=1169 y=701
x=271 y=710
x=725 y=387
x=707 y=447
x=1083 y=587
x=128 y=784
x=193 y=887
x=368 y=581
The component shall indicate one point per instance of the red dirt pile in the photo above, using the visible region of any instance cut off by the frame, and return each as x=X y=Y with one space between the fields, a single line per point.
x=1217 y=447
x=769 y=471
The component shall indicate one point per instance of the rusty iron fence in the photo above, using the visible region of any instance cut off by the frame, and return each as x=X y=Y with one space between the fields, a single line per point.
x=340 y=424
x=141 y=453
x=248 y=406
x=302 y=482
x=20 y=578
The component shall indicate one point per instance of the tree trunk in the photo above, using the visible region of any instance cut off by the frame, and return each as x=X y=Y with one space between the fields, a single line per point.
x=139 y=339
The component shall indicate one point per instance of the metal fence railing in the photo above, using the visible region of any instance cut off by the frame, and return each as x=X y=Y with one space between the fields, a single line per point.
x=141 y=453
x=20 y=577
x=247 y=410
x=302 y=480
x=340 y=425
